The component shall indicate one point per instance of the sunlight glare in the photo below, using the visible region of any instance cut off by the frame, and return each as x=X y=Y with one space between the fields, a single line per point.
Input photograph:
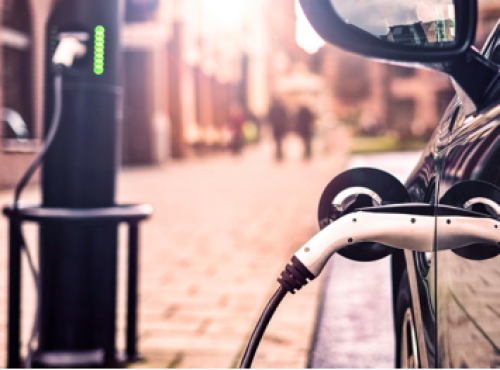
x=225 y=13
x=305 y=36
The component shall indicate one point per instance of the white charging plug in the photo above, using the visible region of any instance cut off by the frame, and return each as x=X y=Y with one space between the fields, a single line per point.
x=71 y=46
x=400 y=231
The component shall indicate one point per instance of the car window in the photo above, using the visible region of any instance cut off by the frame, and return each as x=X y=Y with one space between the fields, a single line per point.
x=491 y=46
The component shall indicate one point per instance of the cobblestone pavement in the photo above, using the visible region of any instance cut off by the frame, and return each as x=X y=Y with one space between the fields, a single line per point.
x=355 y=328
x=223 y=229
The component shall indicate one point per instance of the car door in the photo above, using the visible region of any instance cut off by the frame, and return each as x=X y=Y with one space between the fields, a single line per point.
x=467 y=280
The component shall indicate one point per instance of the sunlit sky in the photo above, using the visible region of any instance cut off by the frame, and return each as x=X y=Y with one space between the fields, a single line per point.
x=229 y=14
x=306 y=36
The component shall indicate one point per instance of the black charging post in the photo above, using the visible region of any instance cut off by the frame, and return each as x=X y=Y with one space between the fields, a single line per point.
x=78 y=262
x=79 y=217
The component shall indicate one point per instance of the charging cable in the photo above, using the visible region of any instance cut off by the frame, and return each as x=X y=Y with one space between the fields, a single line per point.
x=69 y=48
x=408 y=226
x=54 y=126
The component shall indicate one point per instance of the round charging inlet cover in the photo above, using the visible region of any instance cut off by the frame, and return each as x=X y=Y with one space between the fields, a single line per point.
x=369 y=187
x=478 y=196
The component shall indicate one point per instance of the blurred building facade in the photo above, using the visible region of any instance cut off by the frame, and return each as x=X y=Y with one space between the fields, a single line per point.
x=188 y=61
x=378 y=97
x=184 y=63
x=22 y=53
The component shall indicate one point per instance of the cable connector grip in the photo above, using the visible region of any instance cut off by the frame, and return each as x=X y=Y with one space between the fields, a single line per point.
x=295 y=276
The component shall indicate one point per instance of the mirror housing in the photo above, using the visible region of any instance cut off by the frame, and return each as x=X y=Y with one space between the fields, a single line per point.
x=331 y=27
x=460 y=61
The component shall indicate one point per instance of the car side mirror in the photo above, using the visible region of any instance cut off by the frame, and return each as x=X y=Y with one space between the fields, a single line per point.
x=406 y=31
x=435 y=34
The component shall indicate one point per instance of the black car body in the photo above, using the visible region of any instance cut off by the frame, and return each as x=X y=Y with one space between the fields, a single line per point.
x=446 y=303
x=459 y=313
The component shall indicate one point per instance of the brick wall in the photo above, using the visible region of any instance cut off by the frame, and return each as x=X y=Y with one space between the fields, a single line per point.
x=14 y=162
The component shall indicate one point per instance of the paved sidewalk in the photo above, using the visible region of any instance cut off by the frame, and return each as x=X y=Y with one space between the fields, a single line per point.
x=357 y=307
x=223 y=229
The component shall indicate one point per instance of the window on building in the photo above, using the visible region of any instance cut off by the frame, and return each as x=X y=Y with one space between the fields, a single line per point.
x=316 y=62
x=402 y=116
x=17 y=76
x=353 y=83
x=140 y=10
x=397 y=71
x=197 y=94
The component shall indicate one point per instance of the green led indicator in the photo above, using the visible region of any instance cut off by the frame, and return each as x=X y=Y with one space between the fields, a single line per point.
x=99 y=40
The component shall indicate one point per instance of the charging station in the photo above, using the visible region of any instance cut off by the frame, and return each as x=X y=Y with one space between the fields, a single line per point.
x=78 y=273
x=78 y=218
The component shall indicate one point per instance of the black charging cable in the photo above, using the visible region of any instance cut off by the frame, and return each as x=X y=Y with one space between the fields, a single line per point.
x=293 y=277
x=47 y=143
x=261 y=327
x=49 y=139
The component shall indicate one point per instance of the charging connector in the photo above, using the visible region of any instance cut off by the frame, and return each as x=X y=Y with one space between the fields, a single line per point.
x=408 y=226
x=71 y=46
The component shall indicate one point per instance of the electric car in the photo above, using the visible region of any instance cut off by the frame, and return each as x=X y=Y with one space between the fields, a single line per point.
x=446 y=302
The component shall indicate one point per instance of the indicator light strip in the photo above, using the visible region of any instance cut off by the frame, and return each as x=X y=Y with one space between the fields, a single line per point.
x=99 y=49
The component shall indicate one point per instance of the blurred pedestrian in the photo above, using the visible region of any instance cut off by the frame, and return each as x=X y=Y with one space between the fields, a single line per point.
x=305 y=129
x=278 y=119
x=236 y=120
